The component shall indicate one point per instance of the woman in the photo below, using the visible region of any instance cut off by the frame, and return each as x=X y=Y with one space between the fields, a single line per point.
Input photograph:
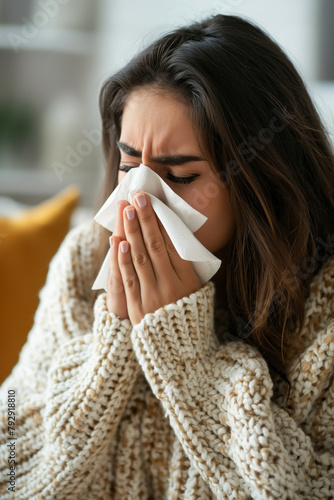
x=162 y=387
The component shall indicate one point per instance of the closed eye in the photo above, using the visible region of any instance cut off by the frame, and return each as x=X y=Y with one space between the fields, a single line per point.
x=171 y=177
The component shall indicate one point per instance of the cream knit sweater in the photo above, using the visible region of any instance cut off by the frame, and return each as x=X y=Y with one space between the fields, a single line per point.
x=162 y=410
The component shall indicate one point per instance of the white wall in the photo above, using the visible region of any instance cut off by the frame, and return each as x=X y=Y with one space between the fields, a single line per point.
x=129 y=25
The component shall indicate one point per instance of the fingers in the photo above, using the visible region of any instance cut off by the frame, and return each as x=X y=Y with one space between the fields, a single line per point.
x=162 y=253
x=180 y=265
x=140 y=258
x=119 y=229
x=116 y=299
x=148 y=247
x=150 y=270
x=115 y=283
x=116 y=294
x=127 y=270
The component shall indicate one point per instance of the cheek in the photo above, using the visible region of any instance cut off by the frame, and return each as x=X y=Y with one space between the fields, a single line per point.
x=219 y=229
x=205 y=195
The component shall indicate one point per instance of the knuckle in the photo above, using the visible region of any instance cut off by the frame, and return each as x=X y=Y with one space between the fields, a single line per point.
x=155 y=244
x=130 y=282
x=140 y=260
x=133 y=229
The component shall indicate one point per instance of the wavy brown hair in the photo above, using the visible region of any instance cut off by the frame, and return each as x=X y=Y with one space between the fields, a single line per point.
x=267 y=143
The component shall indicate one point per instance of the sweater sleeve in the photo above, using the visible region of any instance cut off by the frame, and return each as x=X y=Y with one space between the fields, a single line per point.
x=71 y=383
x=218 y=398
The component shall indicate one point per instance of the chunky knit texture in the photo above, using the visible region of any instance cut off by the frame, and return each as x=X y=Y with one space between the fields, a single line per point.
x=162 y=410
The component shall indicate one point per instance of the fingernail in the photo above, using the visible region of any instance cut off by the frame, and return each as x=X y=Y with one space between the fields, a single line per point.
x=124 y=246
x=111 y=241
x=141 y=200
x=130 y=213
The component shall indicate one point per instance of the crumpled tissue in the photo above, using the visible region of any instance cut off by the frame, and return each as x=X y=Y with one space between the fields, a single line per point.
x=179 y=219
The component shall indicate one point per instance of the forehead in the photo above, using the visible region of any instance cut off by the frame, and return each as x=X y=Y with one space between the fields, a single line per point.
x=158 y=119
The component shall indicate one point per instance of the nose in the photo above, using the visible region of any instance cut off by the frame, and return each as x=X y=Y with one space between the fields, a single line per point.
x=153 y=166
x=145 y=158
x=146 y=155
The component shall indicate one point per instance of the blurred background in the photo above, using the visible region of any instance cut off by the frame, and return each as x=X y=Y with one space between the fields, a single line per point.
x=55 y=55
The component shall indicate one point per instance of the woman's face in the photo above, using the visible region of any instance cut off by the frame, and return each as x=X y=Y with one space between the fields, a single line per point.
x=156 y=130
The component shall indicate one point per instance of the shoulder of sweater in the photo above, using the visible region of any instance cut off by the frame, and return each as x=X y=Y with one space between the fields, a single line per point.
x=83 y=234
x=319 y=311
x=319 y=305
x=322 y=285
x=73 y=263
x=325 y=271
x=80 y=240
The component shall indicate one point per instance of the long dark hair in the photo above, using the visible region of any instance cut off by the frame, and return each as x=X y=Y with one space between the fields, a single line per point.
x=267 y=143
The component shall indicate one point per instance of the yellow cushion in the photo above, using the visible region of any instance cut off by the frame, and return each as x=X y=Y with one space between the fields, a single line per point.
x=27 y=244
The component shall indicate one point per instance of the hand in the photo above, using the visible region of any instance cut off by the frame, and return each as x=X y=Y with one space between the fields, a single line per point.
x=152 y=271
x=116 y=299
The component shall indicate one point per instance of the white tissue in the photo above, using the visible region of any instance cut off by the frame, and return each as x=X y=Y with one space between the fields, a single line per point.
x=179 y=219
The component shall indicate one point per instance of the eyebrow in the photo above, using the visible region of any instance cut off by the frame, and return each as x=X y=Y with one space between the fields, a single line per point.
x=163 y=160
